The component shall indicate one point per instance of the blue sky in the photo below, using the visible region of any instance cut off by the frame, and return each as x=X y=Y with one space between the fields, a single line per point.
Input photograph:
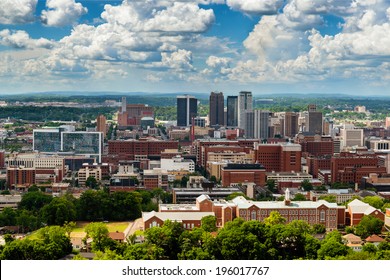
x=265 y=46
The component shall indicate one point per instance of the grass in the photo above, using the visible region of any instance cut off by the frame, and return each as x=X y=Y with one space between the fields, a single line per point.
x=112 y=226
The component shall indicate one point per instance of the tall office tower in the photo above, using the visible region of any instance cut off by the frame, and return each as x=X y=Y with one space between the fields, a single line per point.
x=261 y=124
x=216 y=109
x=314 y=121
x=352 y=137
x=101 y=125
x=232 y=111
x=187 y=107
x=291 y=127
x=244 y=103
x=249 y=123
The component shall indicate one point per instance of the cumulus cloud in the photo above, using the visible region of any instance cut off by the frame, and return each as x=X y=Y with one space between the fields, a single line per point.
x=255 y=6
x=62 y=12
x=180 y=60
x=17 y=11
x=21 y=39
x=214 y=61
x=181 y=17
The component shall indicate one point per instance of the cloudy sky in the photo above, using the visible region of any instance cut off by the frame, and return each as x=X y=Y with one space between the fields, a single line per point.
x=265 y=46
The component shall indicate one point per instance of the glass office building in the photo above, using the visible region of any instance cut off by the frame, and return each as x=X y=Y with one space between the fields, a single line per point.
x=47 y=140
x=82 y=143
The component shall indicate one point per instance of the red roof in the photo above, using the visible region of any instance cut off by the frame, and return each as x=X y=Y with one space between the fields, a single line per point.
x=374 y=238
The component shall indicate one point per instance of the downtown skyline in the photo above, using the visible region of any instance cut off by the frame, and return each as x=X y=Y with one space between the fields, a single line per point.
x=263 y=46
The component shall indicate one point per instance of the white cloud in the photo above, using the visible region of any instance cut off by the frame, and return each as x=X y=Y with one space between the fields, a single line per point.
x=21 y=39
x=17 y=11
x=62 y=12
x=180 y=60
x=214 y=61
x=255 y=6
x=181 y=17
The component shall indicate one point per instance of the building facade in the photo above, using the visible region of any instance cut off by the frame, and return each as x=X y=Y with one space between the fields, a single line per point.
x=187 y=108
x=216 y=111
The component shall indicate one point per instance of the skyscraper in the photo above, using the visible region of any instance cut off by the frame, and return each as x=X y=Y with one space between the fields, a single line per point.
x=249 y=123
x=187 y=107
x=314 y=123
x=244 y=103
x=291 y=127
x=261 y=124
x=232 y=111
x=101 y=125
x=216 y=109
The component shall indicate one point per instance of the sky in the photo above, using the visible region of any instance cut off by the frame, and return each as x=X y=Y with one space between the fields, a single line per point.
x=263 y=46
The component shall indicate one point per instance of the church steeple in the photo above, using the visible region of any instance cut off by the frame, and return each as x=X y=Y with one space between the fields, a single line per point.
x=287 y=200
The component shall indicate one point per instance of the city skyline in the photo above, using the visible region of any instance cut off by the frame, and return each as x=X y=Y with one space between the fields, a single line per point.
x=272 y=46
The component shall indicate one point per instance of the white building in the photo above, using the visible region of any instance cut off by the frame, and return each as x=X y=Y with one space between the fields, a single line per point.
x=351 y=137
x=178 y=164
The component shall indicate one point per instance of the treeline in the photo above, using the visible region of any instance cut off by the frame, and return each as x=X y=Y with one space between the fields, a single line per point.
x=49 y=113
x=38 y=209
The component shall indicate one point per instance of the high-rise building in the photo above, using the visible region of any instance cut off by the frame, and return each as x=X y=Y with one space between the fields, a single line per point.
x=47 y=140
x=249 y=123
x=232 y=111
x=187 y=107
x=216 y=109
x=314 y=120
x=352 y=137
x=83 y=143
x=101 y=124
x=388 y=122
x=291 y=127
x=244 y=103
x=261 y=124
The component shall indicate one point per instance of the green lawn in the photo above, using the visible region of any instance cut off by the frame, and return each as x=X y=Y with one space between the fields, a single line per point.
x=112 y=226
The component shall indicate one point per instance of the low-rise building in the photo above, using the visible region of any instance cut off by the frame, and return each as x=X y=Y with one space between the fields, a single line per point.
x=189 y=220
x=357 y=209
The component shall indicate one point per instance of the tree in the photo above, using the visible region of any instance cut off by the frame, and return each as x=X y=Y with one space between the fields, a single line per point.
x=369 y=225
x=34 y=201
x=213 y=179
x=166 y=238
x=99 y=234
x=274 y=219
x=332 y=247
x=374 y=201
x=306 y=185
x=271 y=185
x=236 y=194
x=209 y=223
x=59 y=211
x=299 y=197
x=91 y=182
x=319 y=228
x=68 y=227
x=329 y=198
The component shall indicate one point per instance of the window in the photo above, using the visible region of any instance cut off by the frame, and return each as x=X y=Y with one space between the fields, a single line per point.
x=253 y=217
x=322 y=216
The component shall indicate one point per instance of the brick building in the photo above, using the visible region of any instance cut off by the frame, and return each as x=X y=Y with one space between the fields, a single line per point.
x=131 y=114
x=319 y=212
x=349 y=167
x=234 y=174
x=358 y=209
x=281 y=157
x=315 y=164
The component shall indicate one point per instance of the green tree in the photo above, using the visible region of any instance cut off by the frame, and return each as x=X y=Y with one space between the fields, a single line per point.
x=329 y=198
x=271 y=185
x=369 y=225
x=99 y=234
x=236 y=194
x=274 y=219
x=34 y=201
x=209 y=223
x=166 y=238
x=299 y=197
x=143 y=251
x=59 y=211
x=319 y=228
x=306 y=185
x=374 y=201
x=332 y=247
x=91 y=182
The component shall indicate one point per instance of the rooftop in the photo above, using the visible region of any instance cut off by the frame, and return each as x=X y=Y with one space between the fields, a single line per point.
x=176 y=216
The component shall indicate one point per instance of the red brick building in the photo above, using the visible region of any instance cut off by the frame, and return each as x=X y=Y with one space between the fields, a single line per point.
x=348 y=167
x=358 y=209
x=243 y=173
x=18 y=176
x=318 y=163
x=131 y=114
x=129 y=150
x=281 y=157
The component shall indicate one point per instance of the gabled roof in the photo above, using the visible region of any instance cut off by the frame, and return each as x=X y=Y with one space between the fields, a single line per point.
x=116 y=235
x=352 y=238
x=358 y=206
x=176 y=216
x=374 y=238
x=203 y=197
